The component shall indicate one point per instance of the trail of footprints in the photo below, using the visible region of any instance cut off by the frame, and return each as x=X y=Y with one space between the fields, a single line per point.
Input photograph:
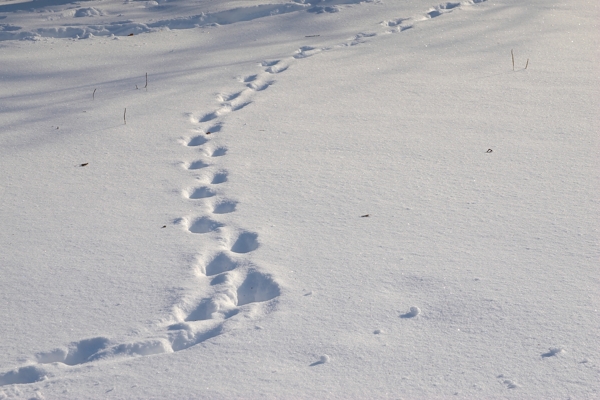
x=235 y=285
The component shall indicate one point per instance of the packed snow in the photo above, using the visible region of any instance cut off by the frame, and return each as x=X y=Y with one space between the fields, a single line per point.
x=299 y=199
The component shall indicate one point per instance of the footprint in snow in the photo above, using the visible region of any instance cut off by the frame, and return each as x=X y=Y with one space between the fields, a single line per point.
x=274 y=67
x=224 y=207
x=199 y=193
x=245 y=243
x=203 y=225
x=219 y=264
x=218 y=178
x=198 y=164
x=306 y=51
x=219 y=152
x=197 y=141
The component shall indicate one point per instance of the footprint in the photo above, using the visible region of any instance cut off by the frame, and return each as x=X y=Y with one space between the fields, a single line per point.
x=182 y=339
x=323 y=9
x=394 y=22
x=442 y=9
x=238 y=107
x=199 y=164
x=510 y=384
x=141 y=348
x=257 y=287
x=358 y=39
x=245 y=243
x=269 y=63
x=219 y=152
x=228 y=97
x=276 y=68
x=201 y=193
x=210 y=116
x=204 y=225
x=225 y=207
x=223 y=303
x=219 y=177
x=260 y=86
x=78 y=352
x=221 y=263
x=219 y=280
x=24 y=375
x=214 y=128
x=247 y=79
x=203 y=312
x=306 y=51
x=197 y=141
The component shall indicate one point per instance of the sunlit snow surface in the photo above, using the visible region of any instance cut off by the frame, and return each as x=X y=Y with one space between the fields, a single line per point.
x=304 y=199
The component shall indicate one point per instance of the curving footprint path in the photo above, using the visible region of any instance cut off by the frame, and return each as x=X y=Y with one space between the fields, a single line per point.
x=235 y=285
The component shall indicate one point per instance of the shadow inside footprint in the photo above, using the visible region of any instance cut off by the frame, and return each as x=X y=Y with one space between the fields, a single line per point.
x=183 y=339
x=197 y=141
x=245 y=243
x=219 y=264
x=257 y=287
x=220 y=177
x=24 y=375
x=204 y=225
x=209 y=117
x=221 y=151
x=225 y=207
x=203 y=311
x=201 y=193
x=197 y=165
x=79 y=353
x=219 y=279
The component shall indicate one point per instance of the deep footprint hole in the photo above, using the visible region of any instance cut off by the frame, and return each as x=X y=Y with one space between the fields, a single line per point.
x=220 y=177
x=204 y=225
x=245 y=243
x=197 y=165
x=219 y=264
x=202 y=193
x=22 y=376
x=221 y=151
x=197 y=141
x=85 y=349
x=225 y=207
x=257 y=287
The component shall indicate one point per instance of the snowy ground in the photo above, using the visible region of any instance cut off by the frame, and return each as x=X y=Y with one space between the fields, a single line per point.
x=383 y=207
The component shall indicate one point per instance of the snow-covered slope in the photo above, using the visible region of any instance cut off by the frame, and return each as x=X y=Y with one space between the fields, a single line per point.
x=332 y=199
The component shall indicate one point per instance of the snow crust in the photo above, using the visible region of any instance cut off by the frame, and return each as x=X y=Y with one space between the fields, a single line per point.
x=299 y=199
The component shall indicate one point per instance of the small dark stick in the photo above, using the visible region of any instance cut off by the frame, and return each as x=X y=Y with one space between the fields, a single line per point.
x=208 y=132
x=124 y=118
x=489 y=151
x=164 y=226
x=94 y=95
x=146 y=87
x=527 y=63
x=513 y=58
x=83 y=165
x=366 y=215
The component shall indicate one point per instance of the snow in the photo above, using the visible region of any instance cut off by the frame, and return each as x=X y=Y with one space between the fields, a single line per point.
x=305 y=199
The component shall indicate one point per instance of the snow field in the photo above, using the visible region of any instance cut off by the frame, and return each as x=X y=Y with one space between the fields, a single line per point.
x=471 y=275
